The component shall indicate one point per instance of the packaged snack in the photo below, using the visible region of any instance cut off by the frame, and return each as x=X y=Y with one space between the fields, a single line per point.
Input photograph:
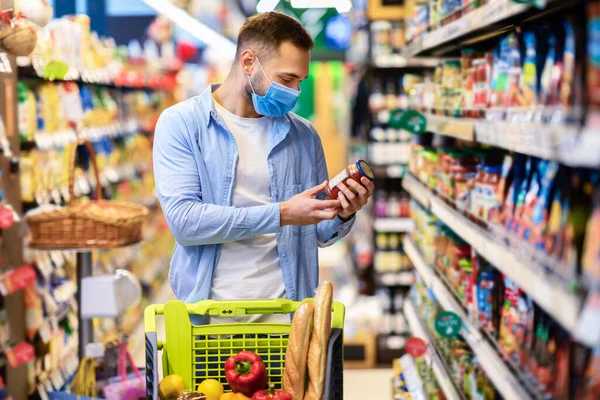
x=487 y=304
x=593 y=54
x=452 y=88
x=513 y=96
x=26 y=112
x=545 y=86
x=483 y=81
x=468 y=80
x=500 y=74
x=484 y=196
x=521 y=188
x=461 y=177
x=580 y=209
x=515 y=334
x=591 y=249
x=531 y=198
x=571 y=86
x=539 y=216
x=592 y=384
x=529 y=86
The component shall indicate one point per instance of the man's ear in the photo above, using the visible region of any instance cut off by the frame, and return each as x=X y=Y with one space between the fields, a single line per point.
x=247 y=60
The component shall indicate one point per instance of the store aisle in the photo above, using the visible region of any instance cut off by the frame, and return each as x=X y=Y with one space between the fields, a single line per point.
x=372 y=384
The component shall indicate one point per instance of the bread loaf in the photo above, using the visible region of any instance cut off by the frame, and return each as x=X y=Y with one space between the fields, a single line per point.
x=319 y=341
x=294 y=376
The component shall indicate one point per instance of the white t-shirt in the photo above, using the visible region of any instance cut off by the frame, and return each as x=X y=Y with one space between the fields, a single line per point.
x=249 y=269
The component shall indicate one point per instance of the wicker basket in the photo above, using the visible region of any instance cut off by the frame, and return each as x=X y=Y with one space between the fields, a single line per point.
x=99 y=225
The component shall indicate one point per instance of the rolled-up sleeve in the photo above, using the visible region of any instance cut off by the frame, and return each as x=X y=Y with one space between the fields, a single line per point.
x=192 y=221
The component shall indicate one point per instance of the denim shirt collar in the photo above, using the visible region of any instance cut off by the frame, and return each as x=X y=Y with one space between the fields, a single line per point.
x=281 y=125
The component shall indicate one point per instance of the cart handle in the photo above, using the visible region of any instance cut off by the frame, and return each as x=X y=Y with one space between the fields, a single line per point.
x=230 y=308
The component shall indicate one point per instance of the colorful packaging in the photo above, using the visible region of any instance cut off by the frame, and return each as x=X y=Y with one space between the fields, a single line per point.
x=515 y=334
x=546 y=89
x=529 y=86
x=591 y=249
x=539 y=217
x=593 y=54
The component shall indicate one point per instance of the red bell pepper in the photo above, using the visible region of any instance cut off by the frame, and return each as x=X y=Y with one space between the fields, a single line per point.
x=246 y=373
x=272 y=394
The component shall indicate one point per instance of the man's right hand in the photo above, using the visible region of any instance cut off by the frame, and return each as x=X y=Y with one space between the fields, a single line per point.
x=303 y=209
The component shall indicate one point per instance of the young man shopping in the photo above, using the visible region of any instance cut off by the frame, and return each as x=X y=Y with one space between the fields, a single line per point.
x=236 y=173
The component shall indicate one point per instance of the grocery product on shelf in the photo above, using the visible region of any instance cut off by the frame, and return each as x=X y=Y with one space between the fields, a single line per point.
x=525 y=336
x=537 y=69
x=537 y=202
x=462 y=366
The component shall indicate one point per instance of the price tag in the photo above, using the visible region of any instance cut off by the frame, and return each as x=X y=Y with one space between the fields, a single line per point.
x=48 y=385
x=447 y=324
x=42 y=392
x=45 y=332
x=57 y=380
x=416 y=347
x=57 y=258
x=55 y=194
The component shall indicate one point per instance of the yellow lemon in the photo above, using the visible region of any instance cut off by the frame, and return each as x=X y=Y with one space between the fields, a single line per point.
x=171 y=387
x=211 y=388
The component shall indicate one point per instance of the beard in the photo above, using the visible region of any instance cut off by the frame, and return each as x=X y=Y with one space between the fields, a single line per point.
x=258 y=83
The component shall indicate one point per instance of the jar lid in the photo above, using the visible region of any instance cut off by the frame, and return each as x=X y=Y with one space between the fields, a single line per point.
x=365 y=169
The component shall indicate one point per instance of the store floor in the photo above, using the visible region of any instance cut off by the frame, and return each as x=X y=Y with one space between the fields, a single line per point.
x=359 y=384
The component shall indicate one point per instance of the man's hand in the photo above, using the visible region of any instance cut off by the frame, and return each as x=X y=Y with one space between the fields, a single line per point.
x=303 y=210
x=355 y=197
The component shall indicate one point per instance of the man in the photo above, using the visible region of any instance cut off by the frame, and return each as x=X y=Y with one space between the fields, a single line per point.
x=236 y=175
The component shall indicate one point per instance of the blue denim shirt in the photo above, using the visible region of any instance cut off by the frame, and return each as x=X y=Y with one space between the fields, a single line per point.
x=195 y=158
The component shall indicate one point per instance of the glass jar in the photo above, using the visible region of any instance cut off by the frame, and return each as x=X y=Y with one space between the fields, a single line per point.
x=354 y=171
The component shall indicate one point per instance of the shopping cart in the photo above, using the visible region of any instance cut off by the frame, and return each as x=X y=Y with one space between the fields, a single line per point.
x=199 y=352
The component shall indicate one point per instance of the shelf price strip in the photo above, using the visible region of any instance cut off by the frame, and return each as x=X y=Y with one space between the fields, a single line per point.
x=563 y=305
x=503 y=379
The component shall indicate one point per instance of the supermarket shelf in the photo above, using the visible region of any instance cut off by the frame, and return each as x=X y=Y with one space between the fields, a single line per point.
x=472 y=23
x=568 y=144
x=389 y=170
x=396 y=279
x=394 y=224
x=550 y=294
x=463 y=129
x=432 y=357
x=56 y=140
x=89 y=77
x=399 y=62
x=499 y=373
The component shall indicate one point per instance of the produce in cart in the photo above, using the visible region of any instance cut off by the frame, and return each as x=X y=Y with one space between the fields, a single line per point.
x=272 y=394
x=211 y=388
x=246 y=373
x=171 y=387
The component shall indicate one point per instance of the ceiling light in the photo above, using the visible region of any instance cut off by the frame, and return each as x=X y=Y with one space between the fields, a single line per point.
x=266 y=5
x=194 y=27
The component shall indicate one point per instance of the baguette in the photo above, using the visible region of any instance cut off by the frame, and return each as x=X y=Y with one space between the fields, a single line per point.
x=294 y=376
x=319 y=342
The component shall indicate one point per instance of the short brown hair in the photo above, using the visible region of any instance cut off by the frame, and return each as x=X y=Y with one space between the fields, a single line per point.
x=266 y=32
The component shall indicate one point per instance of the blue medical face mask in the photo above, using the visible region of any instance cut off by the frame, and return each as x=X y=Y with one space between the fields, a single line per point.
x=278 y=101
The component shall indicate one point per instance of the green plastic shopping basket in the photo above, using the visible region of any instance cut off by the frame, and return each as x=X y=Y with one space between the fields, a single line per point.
x=199 y=352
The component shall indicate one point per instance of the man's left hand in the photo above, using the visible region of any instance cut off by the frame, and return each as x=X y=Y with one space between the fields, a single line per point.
x=354 y=196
